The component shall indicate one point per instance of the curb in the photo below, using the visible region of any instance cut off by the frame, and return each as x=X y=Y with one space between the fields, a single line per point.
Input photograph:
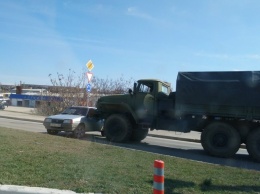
x=243 y=146
x=11 y=189
x=22 y=119
x=175 y=138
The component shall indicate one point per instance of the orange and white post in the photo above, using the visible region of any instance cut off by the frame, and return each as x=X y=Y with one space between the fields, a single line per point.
x=158 y=177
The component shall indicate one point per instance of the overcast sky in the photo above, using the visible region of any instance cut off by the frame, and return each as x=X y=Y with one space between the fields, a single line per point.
x=135 y=39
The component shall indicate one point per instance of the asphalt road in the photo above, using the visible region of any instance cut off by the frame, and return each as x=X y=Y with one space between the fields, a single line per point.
x=176 y=148
x=22 y=125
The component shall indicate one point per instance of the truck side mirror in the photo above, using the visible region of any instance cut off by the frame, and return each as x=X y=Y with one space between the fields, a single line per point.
x=130 y=91
x=135 y=88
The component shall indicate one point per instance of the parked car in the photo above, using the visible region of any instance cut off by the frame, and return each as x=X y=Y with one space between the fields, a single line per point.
x=76 y=119
x=2 y=104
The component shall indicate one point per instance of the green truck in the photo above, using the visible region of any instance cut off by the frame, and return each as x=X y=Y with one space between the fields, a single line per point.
x=223 y=106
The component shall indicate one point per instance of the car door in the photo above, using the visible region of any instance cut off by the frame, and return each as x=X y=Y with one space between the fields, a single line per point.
x=92 y=122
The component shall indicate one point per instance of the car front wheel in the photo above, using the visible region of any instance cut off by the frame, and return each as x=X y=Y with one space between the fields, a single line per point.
x=79 y=132
x=52 y=132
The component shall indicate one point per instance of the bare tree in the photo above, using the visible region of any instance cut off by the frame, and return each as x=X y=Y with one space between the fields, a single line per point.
x=108 y=86
x=112 y=86
x=66 y=90
x=70 y=90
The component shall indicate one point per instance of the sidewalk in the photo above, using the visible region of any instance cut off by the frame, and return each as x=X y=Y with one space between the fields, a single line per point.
x=21 y=113
x=28 y=114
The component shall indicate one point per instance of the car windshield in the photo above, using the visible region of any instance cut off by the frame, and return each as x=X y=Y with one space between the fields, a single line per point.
x=75 y=111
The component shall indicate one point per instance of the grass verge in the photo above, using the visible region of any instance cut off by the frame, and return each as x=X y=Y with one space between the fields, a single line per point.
x=41 y=160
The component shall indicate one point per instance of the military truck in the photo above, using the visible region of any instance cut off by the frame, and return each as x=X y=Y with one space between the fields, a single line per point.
x=223 y=106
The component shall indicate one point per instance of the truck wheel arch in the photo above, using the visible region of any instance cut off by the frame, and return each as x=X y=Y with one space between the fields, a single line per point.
x=139 y=134
x=121 y=108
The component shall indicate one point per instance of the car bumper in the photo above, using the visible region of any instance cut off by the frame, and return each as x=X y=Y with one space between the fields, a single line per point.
x=60 y=127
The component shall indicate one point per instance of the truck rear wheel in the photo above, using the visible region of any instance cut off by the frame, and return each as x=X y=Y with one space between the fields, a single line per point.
x=118 y=128
x=139 y=134
x=220 y=139
x=253 y=144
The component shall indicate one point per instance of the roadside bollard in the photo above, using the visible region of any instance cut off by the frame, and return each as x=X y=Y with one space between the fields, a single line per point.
x=158 y=177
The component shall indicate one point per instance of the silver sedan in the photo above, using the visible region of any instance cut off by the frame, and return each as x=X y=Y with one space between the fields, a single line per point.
x=76 y=119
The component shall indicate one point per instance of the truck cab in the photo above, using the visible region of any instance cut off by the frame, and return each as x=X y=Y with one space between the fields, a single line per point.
x=146 y=98
x=142 y=104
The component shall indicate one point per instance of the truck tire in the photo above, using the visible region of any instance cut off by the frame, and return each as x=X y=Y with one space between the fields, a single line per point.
x=117 y=128
x=253 y=144
x=79 y=132
x=220 y=139
x=139 y=134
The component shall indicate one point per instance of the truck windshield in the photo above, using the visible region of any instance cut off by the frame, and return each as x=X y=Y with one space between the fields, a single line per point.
x=145 y=88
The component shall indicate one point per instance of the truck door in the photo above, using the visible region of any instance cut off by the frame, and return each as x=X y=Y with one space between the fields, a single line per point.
x=145 y=101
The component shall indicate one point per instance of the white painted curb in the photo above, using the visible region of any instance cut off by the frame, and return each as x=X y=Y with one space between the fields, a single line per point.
x=13 y=189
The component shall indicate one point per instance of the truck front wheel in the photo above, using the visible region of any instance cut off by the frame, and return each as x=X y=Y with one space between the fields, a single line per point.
x=220 y=139
x=253 y=144
x=139 y=134
x=117 y=128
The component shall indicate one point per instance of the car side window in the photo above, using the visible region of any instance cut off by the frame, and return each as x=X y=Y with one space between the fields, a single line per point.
x=91 y=113
x=84 y=112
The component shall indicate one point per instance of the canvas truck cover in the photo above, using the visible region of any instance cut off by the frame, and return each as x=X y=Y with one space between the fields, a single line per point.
x=225 y=93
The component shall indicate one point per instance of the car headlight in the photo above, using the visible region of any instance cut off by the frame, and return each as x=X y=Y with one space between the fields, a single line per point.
x=68 y=121
x=47 y=120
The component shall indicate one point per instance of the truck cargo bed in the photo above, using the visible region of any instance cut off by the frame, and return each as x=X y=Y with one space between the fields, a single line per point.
x=227 y=94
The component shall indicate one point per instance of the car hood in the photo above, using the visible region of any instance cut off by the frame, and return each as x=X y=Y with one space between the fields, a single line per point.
x=65 y=116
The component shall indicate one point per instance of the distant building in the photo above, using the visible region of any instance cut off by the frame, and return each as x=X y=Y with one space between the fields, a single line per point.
x=27 y=97
x=31 y=96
